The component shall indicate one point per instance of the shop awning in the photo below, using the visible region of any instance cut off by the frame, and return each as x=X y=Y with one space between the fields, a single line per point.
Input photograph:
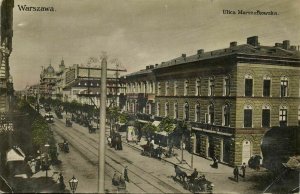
x=142 y=121
x=293 y=163
x=156 y=123
x=15 y=154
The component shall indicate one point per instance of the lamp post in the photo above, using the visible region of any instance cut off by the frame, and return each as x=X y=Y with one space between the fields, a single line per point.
x=46 y=164
x=73 y=182
x=192 y=150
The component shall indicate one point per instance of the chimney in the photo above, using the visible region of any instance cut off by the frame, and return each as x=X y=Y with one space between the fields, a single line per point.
x=183 y=55
x=233 y=44
x=286 y=44
x=147 y=67
x=253 y=41
x=200 y=51
x=151 y=66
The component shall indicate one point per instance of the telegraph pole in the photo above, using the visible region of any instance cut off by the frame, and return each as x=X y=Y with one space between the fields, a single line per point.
x=101 y=149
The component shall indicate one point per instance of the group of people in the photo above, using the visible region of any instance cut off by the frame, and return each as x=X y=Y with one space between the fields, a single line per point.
x=115 y=141
x=119 y=180
x=236 y=172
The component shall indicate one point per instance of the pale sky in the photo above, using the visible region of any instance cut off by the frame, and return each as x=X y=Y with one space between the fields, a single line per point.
x=139 y=32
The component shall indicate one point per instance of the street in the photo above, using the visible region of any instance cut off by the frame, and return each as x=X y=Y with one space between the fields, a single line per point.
x=147 y=175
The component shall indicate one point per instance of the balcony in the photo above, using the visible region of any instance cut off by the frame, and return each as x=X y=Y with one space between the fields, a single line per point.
x=213 y=128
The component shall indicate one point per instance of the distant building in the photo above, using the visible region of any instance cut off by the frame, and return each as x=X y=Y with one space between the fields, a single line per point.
x=230 y=97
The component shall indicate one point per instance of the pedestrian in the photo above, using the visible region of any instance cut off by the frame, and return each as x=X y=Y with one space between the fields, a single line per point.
x=243 y=169
x=125 y=172
x=115 y=180
x=236 y=174
x=62 y=185
x=216 y=162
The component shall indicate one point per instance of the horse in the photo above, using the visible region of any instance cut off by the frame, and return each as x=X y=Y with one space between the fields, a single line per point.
x=180 y=173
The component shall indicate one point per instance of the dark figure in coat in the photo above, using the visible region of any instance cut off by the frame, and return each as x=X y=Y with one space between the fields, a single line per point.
x=236 y=173
x=243 y=169
x=216 y=162
x=62 y=185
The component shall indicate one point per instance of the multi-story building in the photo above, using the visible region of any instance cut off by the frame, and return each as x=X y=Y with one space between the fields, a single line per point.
x=6 y=33
x=230 y=97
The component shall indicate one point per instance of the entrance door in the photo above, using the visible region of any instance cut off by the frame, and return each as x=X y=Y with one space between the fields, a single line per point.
x=246 y=154
x=226 y=150
x=198 y=144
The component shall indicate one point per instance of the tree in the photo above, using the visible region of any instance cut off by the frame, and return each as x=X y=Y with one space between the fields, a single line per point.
x=166 y=124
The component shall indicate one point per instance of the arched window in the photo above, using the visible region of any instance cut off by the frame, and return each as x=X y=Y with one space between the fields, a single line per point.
x=175 y=110
x=166 y=109
x=186 y=111
x=167 y=88
x=226 y=86
x=226 y=115
x=267 y=86
x=158 y=89
x=265 y=116
x=247 y=116
x=186 y=86
x=248 y=85
x=198 y=87
x=197 y=112
x=210 y=116
x=283 y=116
x=175 y=88
x=284 y=86
x=157 y=109
x=211 y=86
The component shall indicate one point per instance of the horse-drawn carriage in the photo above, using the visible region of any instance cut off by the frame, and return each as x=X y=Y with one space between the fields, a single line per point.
x=193 y=183
x=115 y=141
x=149 y=150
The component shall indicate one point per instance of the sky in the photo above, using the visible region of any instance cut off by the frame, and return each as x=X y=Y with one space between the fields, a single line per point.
x=139 y=32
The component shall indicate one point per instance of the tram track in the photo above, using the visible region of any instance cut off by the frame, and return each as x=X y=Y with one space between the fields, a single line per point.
x=142 y=179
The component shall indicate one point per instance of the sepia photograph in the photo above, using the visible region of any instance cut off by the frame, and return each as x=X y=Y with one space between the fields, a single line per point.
x=150 y=96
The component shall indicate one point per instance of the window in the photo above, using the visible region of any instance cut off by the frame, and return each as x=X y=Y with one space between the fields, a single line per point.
x=186 y=86
x=175 y=88
x=151 y=87
x=265 y=116
x=157 y=109
x=198 y=87
x=283 y=86
x=186 y=111
x=197 y=113
x=166 y=109
x=226 y=115
x=226 y=86
x=167 y=88
x=176 y=110
x=158 y=88
x=149 y=108
x=267 y=86
x=145 y=87
x=248 y=85
x=210 y=117
x=247 y=116
x=283 y=116
x=211 y=86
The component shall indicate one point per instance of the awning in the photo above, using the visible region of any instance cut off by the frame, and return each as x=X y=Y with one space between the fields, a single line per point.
x=156 y=123
x=293 y=163
x=142 y=121
x=15 y=154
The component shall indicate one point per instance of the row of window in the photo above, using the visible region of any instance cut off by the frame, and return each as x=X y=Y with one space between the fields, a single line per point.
x=148 y=87
x=210 y=114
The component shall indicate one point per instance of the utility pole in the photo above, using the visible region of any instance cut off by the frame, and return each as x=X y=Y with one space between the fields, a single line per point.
x=101 y=149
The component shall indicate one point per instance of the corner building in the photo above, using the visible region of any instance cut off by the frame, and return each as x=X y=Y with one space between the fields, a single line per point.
x=230 y=97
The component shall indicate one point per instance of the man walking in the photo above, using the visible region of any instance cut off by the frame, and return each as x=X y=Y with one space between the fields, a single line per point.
x=236 y=174
x=243 y=169
x=125 y=172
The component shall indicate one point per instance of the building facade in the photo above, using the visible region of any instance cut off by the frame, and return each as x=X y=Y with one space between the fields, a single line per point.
x=6 y=33
x=230 y=97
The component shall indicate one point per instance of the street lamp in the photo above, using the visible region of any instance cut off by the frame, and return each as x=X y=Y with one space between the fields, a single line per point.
x=192 y=149
x=73 y=182
x=46 y=164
